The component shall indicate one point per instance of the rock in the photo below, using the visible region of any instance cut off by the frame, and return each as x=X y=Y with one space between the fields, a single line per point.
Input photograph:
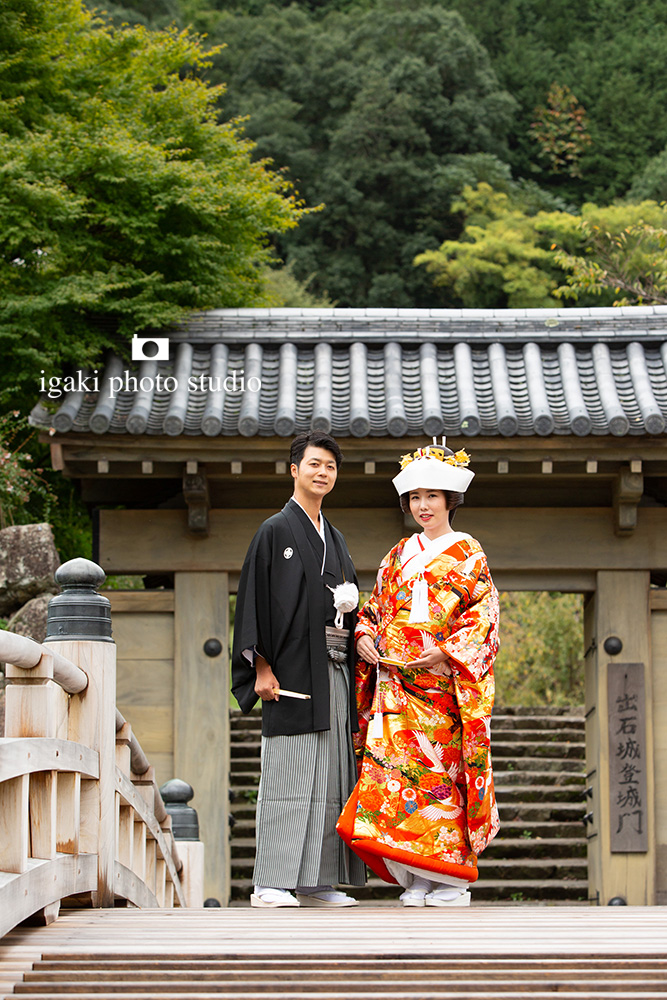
x=30 y=620
x=28 y=560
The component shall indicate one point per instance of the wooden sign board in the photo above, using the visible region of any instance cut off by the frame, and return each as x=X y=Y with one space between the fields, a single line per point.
x=627 y=758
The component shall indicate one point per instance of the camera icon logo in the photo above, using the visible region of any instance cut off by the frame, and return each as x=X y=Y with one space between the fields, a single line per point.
x=150 y=348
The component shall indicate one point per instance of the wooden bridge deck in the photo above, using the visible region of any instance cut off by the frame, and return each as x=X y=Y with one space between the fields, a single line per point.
x=370 y=952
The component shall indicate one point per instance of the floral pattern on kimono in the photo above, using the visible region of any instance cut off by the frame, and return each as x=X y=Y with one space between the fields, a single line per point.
x=425 y=795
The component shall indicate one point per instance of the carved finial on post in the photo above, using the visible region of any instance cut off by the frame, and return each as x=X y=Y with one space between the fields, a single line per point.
x=184 y=822
x=79 y=612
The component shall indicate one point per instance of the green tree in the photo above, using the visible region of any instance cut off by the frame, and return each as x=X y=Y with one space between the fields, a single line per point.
x=623 y=250
x=124 y=204
x=560 y=130
x=504 y=256
x=541 y=650
x=372 y=111
x=515 y=254
x=610 y=53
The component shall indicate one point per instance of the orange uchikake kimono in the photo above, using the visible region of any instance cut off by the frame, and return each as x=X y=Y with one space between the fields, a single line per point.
x=425 y=800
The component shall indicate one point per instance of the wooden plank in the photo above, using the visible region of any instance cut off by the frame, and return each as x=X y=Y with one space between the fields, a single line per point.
x=129 y=886
x=92 y=720
x=657 y=599
x=42 y=883
x=131 y=798
x=201 y=714
x=621 y=609
x=89 y=817
x=192 y=872
x=14 y=824
x=36 y=709
x=137 y=601
x=561 y=539
x=145 y=682
x=68 y=819
x=139 y=850
x=152 y=725
x=144 y=636
x=617 y=935
x=27 y=755
x=125 y=842
x=43 y=814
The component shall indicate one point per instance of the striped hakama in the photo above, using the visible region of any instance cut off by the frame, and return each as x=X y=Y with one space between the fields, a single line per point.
x=305 y=782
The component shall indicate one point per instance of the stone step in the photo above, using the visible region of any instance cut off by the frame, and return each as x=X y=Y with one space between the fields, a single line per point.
x=536 y=736
x=561 y=751
x=244 y=767
x=567 y=784
x=509 y=773
x=538 y=793
x=563 y=850
x=541 y=723
x=494 y=868
x=532 y=836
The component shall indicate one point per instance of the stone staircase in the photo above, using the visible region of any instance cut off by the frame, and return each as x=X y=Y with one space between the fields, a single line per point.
x=539 y=856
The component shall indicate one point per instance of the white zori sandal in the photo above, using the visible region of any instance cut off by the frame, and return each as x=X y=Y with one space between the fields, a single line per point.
x=447 y=895
x=416 y=894
x=323 y=896
x=264 y=896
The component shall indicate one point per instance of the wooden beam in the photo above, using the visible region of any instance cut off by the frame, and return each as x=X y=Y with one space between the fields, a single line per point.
x=620 y=608
x=195 y=492
x=628 y=490
x=543 y=540
x=201 y=714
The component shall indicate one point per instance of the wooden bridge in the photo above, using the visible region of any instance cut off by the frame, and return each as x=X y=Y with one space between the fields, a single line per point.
x=87 y=855
x=81 y=818
x=484 y=952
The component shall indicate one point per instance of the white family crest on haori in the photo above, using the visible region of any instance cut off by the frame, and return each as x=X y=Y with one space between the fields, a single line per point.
x=288 y=553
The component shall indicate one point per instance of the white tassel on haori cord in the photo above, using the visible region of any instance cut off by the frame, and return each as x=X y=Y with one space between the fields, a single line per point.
x=419 y=611
x=345 y=598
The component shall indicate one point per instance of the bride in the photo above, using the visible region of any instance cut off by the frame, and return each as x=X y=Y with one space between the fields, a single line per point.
x=424 y=806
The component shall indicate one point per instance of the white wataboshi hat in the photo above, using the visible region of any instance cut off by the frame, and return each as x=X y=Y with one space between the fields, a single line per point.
x=430 y=469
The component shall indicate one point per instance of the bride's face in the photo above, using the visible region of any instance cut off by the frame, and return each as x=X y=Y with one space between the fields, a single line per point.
x=429 y=509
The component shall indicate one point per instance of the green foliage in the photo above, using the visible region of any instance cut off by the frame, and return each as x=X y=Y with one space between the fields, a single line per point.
x=560 y=130
x=21 y=484
x=124 y=204
x=517 y=257
x=541 y=655
x=283 y=288
x=373 y=112
x=611 y=54
x=503 y=257
x=624 y=251
x=651 y=183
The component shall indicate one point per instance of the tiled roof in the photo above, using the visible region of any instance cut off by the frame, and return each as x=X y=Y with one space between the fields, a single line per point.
x=394 y=372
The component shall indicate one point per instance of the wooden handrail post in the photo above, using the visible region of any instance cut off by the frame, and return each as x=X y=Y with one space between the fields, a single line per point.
x=79 y=628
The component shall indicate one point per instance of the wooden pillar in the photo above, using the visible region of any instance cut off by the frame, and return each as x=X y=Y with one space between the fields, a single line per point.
x=619 y=608
x=659 y=672
x=201 y=714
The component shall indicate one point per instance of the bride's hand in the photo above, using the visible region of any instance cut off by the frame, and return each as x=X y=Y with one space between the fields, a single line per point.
x=367 y=650
x=431 y=658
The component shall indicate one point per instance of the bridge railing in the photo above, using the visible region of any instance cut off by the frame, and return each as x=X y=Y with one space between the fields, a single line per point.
x=80 y=813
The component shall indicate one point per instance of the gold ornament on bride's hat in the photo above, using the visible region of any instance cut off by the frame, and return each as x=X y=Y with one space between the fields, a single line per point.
x=432 y=469
x=460 y=459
